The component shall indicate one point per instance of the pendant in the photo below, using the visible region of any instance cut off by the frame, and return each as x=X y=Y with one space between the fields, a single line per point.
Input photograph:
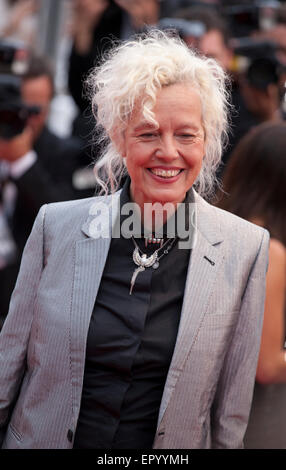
x=133 y=279
x=142 y=262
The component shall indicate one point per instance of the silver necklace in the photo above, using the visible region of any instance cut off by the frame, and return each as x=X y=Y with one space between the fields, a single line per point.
x=143 y=261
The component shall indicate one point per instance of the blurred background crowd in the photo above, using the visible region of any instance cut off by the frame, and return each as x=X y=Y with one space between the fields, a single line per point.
x=46 y=126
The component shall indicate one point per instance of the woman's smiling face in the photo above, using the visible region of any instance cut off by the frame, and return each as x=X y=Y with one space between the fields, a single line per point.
x=163 y=162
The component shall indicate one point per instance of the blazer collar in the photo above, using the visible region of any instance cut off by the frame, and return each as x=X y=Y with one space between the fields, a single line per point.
x=207 y=221
x=102 y=216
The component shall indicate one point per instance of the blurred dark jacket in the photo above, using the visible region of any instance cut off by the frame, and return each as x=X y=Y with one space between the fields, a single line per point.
x=49 y=179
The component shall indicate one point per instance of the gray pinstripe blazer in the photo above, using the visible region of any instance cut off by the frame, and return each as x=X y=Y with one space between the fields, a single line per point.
x=208 y=391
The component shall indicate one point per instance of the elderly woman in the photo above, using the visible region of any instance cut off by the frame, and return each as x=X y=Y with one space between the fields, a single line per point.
x=138 y=335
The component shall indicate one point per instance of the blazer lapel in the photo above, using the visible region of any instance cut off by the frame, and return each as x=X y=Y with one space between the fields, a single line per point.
x=205 y=262
x=89 y=261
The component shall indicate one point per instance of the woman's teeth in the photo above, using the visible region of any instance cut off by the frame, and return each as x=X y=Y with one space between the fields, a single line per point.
x=164 y=173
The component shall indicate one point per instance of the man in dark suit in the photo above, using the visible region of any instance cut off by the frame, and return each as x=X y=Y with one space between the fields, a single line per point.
x=41 y=168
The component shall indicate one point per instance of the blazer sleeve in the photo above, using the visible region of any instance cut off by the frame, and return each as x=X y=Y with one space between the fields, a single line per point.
x=14 y=336
x=231 y=407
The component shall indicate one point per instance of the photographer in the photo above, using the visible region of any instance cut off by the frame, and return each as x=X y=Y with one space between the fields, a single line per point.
x=39 y=166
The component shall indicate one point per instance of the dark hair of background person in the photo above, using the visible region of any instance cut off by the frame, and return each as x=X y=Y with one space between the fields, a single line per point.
x=207 y=15
x=39 y=66
x=254 y=182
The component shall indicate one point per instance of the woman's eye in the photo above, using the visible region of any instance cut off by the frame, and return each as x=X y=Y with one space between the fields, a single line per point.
x=186 y=137
x=148 y=135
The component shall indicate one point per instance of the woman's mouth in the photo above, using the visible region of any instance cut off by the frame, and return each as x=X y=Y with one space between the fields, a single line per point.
x=162 y=173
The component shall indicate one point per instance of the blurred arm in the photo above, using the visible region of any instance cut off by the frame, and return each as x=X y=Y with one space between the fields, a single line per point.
x=271 y=364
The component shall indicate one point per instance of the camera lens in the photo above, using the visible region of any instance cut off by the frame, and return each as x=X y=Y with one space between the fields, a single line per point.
x=12 y=122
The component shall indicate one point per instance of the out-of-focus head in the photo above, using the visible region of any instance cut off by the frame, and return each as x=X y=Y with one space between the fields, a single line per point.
x=133 y=75
x=212 y=44
x=261 y=88
x=255 y=178
x=38 y=89
x=215 y=41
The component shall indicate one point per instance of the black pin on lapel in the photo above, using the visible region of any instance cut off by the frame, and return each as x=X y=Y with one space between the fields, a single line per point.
x=209 y=260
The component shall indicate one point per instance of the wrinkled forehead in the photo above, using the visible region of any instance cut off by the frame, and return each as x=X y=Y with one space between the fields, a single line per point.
x=145 y=104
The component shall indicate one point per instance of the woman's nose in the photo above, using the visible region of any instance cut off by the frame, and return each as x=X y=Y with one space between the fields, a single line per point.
x=167 y=149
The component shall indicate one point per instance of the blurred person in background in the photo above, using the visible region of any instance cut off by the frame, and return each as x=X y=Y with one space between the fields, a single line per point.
x=40 y=167
x=263 y=84
x=93 y=22
x=261 y=89
x=262 y=80
x=57 y=157
x=215 y=42
x=96 y=23
x=254 y=187
x=18 y=20
x=257 y=93
x=275 y=30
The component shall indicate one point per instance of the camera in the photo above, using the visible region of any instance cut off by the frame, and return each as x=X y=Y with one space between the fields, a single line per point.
x=13 y=112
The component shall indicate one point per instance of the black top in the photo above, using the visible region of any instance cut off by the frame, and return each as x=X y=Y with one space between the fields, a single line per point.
x=130 y=345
